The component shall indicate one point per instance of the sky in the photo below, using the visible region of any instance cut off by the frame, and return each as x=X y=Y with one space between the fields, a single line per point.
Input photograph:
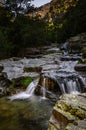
x=38 y=3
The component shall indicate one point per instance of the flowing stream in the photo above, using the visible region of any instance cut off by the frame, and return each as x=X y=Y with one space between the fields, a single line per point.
x=27 y=111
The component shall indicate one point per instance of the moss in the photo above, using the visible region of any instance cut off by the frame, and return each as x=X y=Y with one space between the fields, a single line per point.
x=81 y=114
x=25 y=82
x=21 y=82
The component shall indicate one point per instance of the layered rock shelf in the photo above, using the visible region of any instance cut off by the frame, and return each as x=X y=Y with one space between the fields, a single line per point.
x=69 y=113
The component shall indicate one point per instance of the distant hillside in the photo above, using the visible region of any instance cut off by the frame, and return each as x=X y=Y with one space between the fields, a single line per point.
x=54 y=9
x=41 y=11
x=59 y=7
x=65 y=18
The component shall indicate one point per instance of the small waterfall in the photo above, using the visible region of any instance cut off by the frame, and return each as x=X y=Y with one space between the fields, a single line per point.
x=26 y=94
x=70 y=85
x=30 y=89
x=62 y=88
x=43 y=88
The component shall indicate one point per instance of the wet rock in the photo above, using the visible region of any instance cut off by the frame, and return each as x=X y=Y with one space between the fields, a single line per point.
x=1 y=68
x=37 y=69
x=53 y=50
x=80 y=67
x=48 y=84
x=4 y=85
x=70 y=57
x=18 y=84
x=69 y=113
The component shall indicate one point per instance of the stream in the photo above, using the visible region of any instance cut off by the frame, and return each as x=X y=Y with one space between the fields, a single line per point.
x=26 y=110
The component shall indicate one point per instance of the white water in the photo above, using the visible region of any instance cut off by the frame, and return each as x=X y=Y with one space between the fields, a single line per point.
x=63 y=89
x=70 y=86
x=30 y=88
x=44 y=89
x=26 y=94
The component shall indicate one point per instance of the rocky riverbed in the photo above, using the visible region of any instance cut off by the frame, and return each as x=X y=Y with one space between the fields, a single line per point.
x=48 y=77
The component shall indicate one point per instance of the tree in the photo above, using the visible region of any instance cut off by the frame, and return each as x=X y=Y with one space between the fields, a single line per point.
x=17 y=6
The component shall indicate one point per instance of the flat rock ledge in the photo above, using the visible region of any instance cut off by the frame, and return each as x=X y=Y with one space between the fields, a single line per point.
x=69 y=113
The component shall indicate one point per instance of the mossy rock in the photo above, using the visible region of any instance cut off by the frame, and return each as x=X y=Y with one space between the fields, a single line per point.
x=69 y=113
x=20 y=83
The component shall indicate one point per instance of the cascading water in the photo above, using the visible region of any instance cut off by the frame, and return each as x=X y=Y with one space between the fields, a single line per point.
x=68 y=82
x=43 y=88
x=26 y=94
x=30 y=89
x=70 y=86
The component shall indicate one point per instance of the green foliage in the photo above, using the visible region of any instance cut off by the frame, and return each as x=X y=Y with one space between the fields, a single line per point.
x=73 y=21
x=6 y=46
x=21 y=33
x=68 y=18
x=5 y=17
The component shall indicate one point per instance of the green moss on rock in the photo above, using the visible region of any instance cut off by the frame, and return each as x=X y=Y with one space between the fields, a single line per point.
x=20 y=83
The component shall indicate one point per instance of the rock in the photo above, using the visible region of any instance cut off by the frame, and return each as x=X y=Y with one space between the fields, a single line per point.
x=29 y=52
x=80 y=67
x=76 y=44
x=48 y=84
x=4 y=85
x=1 y=68
x=19 y=83
x=70 y=57
x=69 y=113
x=37 y=69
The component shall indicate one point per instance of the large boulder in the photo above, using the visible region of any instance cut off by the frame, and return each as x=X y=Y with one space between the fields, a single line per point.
x=69 y=113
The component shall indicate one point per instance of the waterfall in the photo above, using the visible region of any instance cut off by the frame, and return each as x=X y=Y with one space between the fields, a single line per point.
x=26 y=94
x=43 y=88
x=70 y=85
x=30 y=89
x=62 y=87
